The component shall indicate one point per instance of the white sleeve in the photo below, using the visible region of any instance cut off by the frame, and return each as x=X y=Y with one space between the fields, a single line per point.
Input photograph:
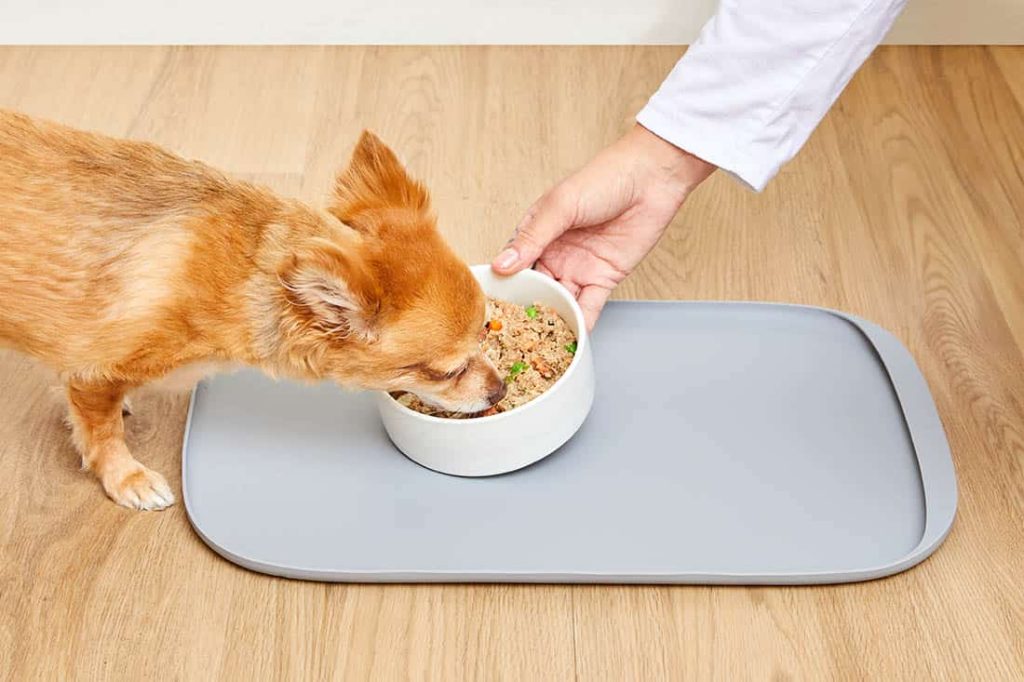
x=761 y=76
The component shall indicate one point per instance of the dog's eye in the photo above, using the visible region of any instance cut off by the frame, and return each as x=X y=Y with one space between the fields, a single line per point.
x=455 y=373
x=432 y=374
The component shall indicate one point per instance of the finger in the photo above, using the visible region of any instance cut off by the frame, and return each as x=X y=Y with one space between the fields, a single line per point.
x=592 y=299
x=542 y=269
x=573 y=288
x=543 y=223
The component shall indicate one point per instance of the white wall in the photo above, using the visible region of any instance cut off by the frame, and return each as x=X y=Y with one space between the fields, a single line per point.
x=445 y=21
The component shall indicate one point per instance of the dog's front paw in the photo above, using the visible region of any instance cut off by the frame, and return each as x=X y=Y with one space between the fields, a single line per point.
x=138 y=488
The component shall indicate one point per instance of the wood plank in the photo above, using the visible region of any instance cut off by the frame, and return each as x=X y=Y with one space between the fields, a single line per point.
x=96 y=88
x=242 y=109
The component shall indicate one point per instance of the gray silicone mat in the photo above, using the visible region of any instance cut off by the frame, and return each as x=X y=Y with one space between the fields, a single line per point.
x=729 y=443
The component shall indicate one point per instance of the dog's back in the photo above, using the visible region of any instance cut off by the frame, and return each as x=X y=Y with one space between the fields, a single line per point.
x=93 y=232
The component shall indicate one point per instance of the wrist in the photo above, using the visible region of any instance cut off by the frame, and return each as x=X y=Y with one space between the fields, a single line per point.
x=679 y=169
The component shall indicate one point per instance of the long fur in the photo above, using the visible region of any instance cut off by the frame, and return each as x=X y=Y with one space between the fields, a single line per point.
x=122 y=264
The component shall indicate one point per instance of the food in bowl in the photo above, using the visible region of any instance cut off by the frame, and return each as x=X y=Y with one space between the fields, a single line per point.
x=532 y=346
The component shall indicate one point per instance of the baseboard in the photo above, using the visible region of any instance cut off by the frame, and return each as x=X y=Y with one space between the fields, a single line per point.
x=574 y=22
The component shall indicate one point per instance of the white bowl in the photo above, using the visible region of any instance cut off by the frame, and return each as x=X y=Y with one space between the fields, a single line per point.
x=486 y=446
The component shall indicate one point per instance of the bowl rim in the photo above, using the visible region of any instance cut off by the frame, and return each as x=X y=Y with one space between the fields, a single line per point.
x=582 y=341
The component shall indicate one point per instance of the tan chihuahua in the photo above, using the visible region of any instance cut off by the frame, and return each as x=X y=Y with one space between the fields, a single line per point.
x=122 y=264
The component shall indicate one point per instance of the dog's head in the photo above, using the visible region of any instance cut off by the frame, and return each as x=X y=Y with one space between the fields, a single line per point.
x=385 y=304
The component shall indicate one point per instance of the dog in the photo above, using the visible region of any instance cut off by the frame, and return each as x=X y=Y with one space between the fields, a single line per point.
x=123 y=265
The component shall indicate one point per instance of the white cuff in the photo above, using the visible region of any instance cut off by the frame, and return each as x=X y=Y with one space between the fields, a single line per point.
x=690 y=138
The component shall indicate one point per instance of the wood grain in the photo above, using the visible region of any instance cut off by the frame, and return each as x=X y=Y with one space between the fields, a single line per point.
x=906 y=207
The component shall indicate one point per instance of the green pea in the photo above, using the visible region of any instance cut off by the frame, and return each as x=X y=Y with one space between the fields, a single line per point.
x=515 y=371
x=531 y=312
x=571 y=347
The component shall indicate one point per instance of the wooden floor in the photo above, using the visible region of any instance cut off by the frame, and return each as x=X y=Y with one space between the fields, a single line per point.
x=906 y=207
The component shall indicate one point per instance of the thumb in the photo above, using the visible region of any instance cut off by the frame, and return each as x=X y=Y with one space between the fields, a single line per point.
x=544 y=222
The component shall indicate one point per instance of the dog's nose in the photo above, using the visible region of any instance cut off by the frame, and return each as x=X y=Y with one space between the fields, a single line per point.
x=498 y=393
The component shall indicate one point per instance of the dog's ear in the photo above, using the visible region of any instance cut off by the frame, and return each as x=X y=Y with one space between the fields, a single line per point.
x=332 y=291
x=374 y=179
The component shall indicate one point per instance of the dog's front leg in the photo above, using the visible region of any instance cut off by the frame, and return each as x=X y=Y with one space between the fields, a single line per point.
x=98 y=428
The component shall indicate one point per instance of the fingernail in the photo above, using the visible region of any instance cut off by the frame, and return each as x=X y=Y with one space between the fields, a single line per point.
x=506 y=259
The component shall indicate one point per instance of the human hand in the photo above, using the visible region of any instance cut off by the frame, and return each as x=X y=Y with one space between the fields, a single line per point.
x=590 y=230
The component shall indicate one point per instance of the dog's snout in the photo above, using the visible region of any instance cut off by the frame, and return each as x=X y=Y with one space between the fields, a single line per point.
x=497 y=393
